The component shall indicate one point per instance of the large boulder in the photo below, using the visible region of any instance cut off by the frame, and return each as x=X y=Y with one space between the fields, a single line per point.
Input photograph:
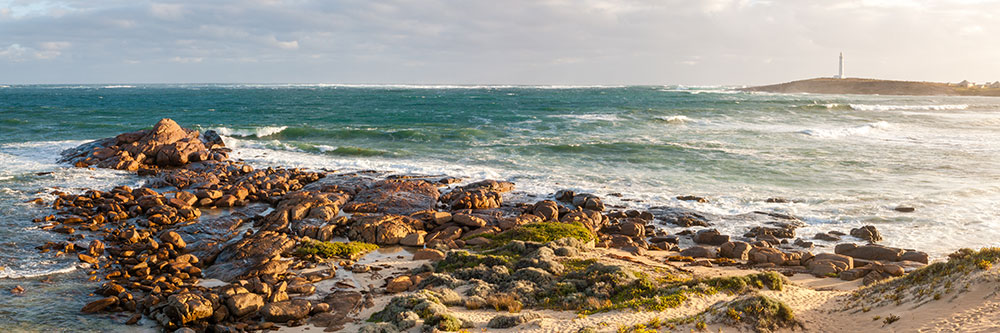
x=286 y=310
x=735 y=250
x=258 y=254
x=869 y=252
x=184 y=308
x=761 y=255
x=710 y=237
x=382 y=229
x=400 y=196
x=868 y=233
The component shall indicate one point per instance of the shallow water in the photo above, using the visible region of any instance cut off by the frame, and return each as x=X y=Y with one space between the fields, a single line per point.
x=844 y=161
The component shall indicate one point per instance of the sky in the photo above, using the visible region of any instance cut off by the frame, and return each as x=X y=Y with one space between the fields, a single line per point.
x=709 y=42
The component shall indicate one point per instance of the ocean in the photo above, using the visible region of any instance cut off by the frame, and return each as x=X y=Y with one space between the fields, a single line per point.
x=841 y=161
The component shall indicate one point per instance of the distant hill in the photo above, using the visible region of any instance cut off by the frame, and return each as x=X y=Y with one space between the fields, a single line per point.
x=874 y=87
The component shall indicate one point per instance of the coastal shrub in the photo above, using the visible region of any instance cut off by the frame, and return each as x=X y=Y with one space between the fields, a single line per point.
x=349 y=250
x=645 y=293
x=542 y=232
x=923 y=283
x=464 y=259
x=505 y=302
x=762 y=313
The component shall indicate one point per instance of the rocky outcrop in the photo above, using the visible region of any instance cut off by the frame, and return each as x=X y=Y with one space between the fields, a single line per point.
x=258 y=254
x=164 y=145
x=399 y=196
x=382 y=229
x=868 y=233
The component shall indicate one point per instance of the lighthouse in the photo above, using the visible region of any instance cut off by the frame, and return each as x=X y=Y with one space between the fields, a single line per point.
x=840 y=74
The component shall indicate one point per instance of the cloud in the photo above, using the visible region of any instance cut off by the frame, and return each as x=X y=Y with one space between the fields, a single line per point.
x=517 y=41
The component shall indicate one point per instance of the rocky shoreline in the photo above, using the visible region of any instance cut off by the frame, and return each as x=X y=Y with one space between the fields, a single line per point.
x=214 y=245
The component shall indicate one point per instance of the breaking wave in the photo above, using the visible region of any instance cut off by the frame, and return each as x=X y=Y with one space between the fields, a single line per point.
x=891 y=107
x=850 y=131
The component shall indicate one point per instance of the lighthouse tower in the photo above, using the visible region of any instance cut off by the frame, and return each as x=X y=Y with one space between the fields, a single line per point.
x=840 y=74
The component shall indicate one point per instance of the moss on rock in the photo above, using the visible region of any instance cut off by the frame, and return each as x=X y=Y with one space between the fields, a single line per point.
x=348 y=250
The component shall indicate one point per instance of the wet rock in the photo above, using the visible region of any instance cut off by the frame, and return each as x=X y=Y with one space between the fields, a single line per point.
x=787 y=231
x=904 y=209
x=548 y=210
x=285 y=311
x=735 y=250
x=680 y=216
x=868 y=233
x=100 y=305
x=166 y=144
x=174 y=239
x=87 y=259
x=826 y=237
x=692 y=198
x=588 y=201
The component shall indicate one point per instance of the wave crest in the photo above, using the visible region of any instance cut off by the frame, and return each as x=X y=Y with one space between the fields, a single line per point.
x=850 y=131
x=892 y=107
x=256 y=132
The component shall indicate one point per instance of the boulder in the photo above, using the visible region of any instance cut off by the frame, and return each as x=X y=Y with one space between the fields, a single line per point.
x=548 y=210
x=428 y=254
x=868 y=233
x=869 y=252
x=285 y=311
x=760 y=255
x=382 y=230
x=240 y=305
x=710 y=237
x=699 y=252
x=184 y=308
x=258 y=254
x=399 y=284
x=400 y=196
x=469 y=220
x=735 y=250
x=99 y=305
x=413 y=239
x=174 y=239
x=505 y=321
x=917 y=256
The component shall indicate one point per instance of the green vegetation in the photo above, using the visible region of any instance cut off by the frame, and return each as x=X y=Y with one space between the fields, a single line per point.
x=463 y=259
x=890 y=319
x=646 y=294
x=444 y=322
x=927 y=282
x=542 y=232
x=761 y=312
x=349 y=250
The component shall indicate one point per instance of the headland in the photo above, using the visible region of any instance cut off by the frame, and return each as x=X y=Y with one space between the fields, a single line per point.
x=859 y=86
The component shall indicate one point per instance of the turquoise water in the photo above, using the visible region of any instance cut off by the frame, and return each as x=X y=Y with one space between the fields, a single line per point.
x=844 y=161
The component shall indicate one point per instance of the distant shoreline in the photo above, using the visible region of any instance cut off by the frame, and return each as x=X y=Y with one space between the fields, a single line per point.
x=856 y=86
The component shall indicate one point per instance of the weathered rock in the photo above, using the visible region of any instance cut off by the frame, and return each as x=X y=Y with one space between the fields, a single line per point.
x=711 y=237
x=399 y=196
x=243 y=304
x=428 y=254
x=917 y=256
x=869 y=252
x=259 y=254
x=868 y=233
x=548 y=210
x=399 y=284
x=699 y=252
x=173 y=238
x=185 y=308
x=760 y=255
x=382 y=230
x=469 y=220
x=413 y=239
x=826 y=237
x=100 y=305
x=287 y=310
x=735 y=250
x=680 y=216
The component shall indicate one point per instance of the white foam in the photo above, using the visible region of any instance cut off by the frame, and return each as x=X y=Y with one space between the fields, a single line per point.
x=117 y=86
x=258 y=132
x=591 y=117
x=850 y=131
x=675 y=119
x=35 y=269
x=892 y=107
